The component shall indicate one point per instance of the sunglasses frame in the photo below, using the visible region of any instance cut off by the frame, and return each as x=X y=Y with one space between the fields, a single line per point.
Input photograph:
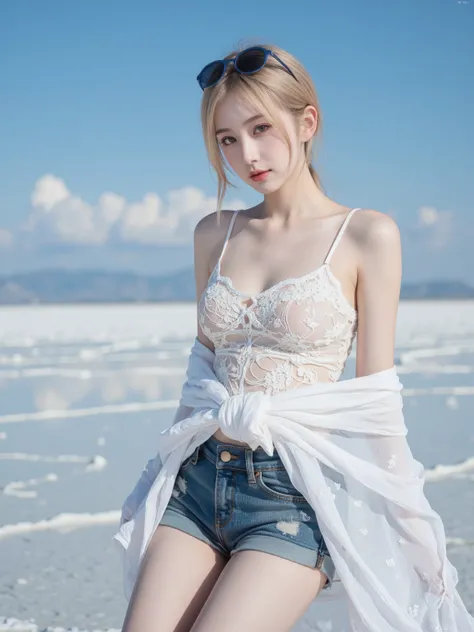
x=226 y=62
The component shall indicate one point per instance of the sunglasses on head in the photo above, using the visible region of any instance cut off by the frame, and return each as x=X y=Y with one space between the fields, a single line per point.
x=246 y=62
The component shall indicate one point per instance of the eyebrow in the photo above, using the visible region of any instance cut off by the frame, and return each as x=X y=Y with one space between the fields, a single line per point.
x=227 y=129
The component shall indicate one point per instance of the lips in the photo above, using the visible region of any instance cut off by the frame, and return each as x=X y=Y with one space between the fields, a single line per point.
x=256 y=174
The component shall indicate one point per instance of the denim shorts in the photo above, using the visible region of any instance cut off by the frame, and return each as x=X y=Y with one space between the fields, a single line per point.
x=236 y=499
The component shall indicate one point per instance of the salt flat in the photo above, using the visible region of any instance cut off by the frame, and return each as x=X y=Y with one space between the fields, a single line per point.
x=77 y=382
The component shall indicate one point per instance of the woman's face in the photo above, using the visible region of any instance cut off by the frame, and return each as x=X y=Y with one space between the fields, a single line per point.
x=254 y=145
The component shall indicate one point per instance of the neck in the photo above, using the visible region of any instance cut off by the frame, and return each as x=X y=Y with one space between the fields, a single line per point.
x=298 y=198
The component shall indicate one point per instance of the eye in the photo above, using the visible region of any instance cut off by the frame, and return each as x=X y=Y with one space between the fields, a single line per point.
x=222 y=140
x=231 y=138
x=263 y=125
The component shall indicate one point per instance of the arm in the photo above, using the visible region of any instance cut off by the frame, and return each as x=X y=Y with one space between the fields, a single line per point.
x=202 y=233
x=378 y=291
x=202 y=246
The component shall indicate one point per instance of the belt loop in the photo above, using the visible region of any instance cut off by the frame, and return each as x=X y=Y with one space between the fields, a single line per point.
x=249 y=465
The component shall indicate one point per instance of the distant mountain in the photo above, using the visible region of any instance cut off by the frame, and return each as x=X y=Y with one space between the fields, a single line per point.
x=95 y=286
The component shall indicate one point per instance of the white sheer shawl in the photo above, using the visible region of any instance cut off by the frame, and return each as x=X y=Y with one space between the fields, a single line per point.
x=344 y=446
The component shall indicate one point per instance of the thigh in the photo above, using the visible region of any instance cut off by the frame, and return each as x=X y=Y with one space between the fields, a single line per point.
x=176 y=576
x=259 y=591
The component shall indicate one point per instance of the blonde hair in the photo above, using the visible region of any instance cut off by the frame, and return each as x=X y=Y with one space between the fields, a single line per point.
x=272 y=86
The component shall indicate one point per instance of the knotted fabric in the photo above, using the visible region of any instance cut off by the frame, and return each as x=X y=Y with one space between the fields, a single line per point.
x=345 y=449
x=250 y=410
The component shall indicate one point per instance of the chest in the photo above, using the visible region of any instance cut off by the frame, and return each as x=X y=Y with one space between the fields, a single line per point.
x=302 y=311
x=259 y=263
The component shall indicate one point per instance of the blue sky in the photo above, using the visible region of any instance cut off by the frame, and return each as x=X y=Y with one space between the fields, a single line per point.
x=102 y=162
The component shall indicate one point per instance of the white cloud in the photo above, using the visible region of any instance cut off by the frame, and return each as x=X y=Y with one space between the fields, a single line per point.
x=154 y=221
x=438 y=226
x=57 y=213
x=111 y=206
x=60 y=214
x=142 y=221
x=48 y=192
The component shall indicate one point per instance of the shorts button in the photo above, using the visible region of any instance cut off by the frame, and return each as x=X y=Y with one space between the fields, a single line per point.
x=226 y=456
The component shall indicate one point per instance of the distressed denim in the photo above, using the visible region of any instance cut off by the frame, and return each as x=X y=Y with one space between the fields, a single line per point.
x=235 y=499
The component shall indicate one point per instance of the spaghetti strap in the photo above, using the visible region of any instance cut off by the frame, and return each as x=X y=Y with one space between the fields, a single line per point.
x=229 y=230
x=339 y=234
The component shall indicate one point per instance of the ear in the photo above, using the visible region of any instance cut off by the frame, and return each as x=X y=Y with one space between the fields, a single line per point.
x=308 y=123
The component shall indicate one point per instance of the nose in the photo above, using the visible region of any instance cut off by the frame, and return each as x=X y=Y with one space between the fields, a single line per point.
x=249 y=151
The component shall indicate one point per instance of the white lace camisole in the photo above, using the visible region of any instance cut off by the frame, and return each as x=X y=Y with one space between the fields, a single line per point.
x=297 y=332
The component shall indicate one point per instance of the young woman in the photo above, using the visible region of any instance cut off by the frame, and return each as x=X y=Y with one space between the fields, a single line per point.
x=282 y=289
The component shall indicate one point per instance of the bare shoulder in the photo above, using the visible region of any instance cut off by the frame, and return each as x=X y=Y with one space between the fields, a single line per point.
x=374 y=233
x=209 y=235
x=213 y=225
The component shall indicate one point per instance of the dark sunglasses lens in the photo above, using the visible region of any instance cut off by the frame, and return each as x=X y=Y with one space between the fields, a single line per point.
x=210 y=74
x=250 y=60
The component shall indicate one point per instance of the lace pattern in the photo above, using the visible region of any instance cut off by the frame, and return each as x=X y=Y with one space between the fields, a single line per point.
x=296 y=332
